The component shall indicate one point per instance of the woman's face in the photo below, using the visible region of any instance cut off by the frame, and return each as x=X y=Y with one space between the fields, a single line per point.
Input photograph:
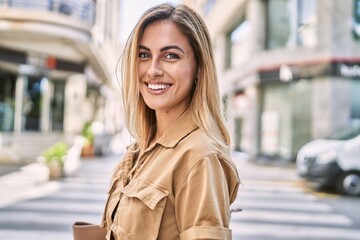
x=167 y=68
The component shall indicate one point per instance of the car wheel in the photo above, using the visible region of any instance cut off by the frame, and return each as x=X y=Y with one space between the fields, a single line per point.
x=349 y=183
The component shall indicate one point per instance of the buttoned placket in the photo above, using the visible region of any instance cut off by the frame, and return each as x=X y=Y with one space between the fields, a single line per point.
x=135 y=170
x=140 y=161
x=124 y=183
x=141 y=156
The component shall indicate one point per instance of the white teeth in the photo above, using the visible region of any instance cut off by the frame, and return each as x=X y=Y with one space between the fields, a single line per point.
x=158 y=86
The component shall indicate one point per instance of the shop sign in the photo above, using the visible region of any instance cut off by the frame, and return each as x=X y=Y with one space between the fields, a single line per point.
x=349 y=70
x=27 y=69
x=41 y=60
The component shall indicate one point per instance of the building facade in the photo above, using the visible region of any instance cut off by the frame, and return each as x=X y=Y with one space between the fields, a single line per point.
x=289 y=70
x=57 y=61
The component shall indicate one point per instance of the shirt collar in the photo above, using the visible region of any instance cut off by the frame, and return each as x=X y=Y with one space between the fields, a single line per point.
x=182 y=127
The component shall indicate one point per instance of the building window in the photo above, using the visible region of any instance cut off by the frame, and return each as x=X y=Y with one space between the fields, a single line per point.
x=286 y=117
x=32 y=103
x=57 y=106
x=356 y=19
x=235 y=44
x=7 y=101
x=278 y=23
x=355 y=98
x=291 y=23
x=306 y=23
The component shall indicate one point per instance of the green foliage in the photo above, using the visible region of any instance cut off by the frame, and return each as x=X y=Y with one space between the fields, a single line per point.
x=88 y=134
x=56 y=152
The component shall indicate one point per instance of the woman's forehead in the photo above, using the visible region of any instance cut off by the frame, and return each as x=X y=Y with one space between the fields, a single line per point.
x=164 y=32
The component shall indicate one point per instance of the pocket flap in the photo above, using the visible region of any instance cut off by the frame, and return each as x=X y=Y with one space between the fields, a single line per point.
x=145 y=191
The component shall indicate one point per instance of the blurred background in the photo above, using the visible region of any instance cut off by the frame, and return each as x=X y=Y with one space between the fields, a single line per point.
x=289 y=74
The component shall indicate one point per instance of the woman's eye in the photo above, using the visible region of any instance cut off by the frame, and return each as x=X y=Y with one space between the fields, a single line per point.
x=144 y=55
x=171 y=56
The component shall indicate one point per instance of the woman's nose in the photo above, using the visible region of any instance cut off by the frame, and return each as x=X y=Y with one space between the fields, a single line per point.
x=155 y=69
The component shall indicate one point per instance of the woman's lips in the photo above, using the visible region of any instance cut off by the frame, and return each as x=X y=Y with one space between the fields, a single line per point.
x=161 y=86
x=157 y=88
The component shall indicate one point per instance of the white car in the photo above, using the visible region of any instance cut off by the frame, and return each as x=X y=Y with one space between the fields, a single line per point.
x=333 y=161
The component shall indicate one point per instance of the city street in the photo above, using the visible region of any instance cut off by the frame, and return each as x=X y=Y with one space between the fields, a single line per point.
x=275 y=204
x=283 y=74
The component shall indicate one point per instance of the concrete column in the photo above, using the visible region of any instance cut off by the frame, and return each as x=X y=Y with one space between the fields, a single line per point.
x=46 y=102
x=251 y=123
x=19 y=98
x=75 y=96
x=256 y=14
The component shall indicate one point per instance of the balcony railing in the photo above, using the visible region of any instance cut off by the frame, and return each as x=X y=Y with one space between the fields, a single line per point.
x=83 y=10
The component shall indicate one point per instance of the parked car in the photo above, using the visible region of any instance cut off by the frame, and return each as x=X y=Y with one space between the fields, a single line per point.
x=334 y=161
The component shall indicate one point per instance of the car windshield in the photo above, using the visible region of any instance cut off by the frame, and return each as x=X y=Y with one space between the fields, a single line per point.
x=348 y=132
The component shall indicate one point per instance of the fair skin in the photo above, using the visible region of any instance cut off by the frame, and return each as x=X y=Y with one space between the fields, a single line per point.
x=167 y=71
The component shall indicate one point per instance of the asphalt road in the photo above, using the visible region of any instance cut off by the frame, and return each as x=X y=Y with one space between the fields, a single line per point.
x=278 y=205
x=275 y=204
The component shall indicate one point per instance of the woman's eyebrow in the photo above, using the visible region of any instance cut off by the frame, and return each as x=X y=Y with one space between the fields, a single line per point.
x=163 y=48
x=172 y=47
x=144 y=48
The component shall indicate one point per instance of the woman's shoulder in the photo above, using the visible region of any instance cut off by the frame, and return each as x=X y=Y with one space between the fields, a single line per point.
x=200 y=145
x=201 y=151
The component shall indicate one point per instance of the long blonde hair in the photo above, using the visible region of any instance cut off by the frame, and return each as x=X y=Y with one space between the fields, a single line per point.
x=205 y=105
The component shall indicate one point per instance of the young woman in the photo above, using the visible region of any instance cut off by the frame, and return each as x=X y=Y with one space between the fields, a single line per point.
x=176 y=180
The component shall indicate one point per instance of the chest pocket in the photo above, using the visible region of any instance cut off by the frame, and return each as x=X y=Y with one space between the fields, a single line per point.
x=140 y=211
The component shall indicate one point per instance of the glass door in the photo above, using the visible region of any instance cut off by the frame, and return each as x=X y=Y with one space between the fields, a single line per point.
x=7 y=101
x=32 y=101
x=57 y=106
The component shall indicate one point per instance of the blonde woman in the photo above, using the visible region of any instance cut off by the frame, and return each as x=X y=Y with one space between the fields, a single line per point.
x=176 y=180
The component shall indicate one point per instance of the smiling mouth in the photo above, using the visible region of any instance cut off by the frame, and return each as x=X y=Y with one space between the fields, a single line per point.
x=158 y=86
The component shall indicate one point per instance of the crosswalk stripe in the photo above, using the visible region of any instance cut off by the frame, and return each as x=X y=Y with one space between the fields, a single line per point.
x=34 y=235
x=77 y=196
x=282 y=205
x=7 y=197
x=273 y=188
x=94 y=180
x=13 y=218
x=271 y=195
x=292 y=217
x=286 y=231
x=60 y=206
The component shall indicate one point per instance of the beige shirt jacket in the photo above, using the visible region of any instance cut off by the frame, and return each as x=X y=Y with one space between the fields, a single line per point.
x=180 y=187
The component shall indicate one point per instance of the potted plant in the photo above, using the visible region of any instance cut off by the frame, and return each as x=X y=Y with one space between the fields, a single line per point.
x=54 y=158
x=88 y=146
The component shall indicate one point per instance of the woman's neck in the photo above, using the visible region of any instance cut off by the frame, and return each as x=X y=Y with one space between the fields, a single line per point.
x=164 y=120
